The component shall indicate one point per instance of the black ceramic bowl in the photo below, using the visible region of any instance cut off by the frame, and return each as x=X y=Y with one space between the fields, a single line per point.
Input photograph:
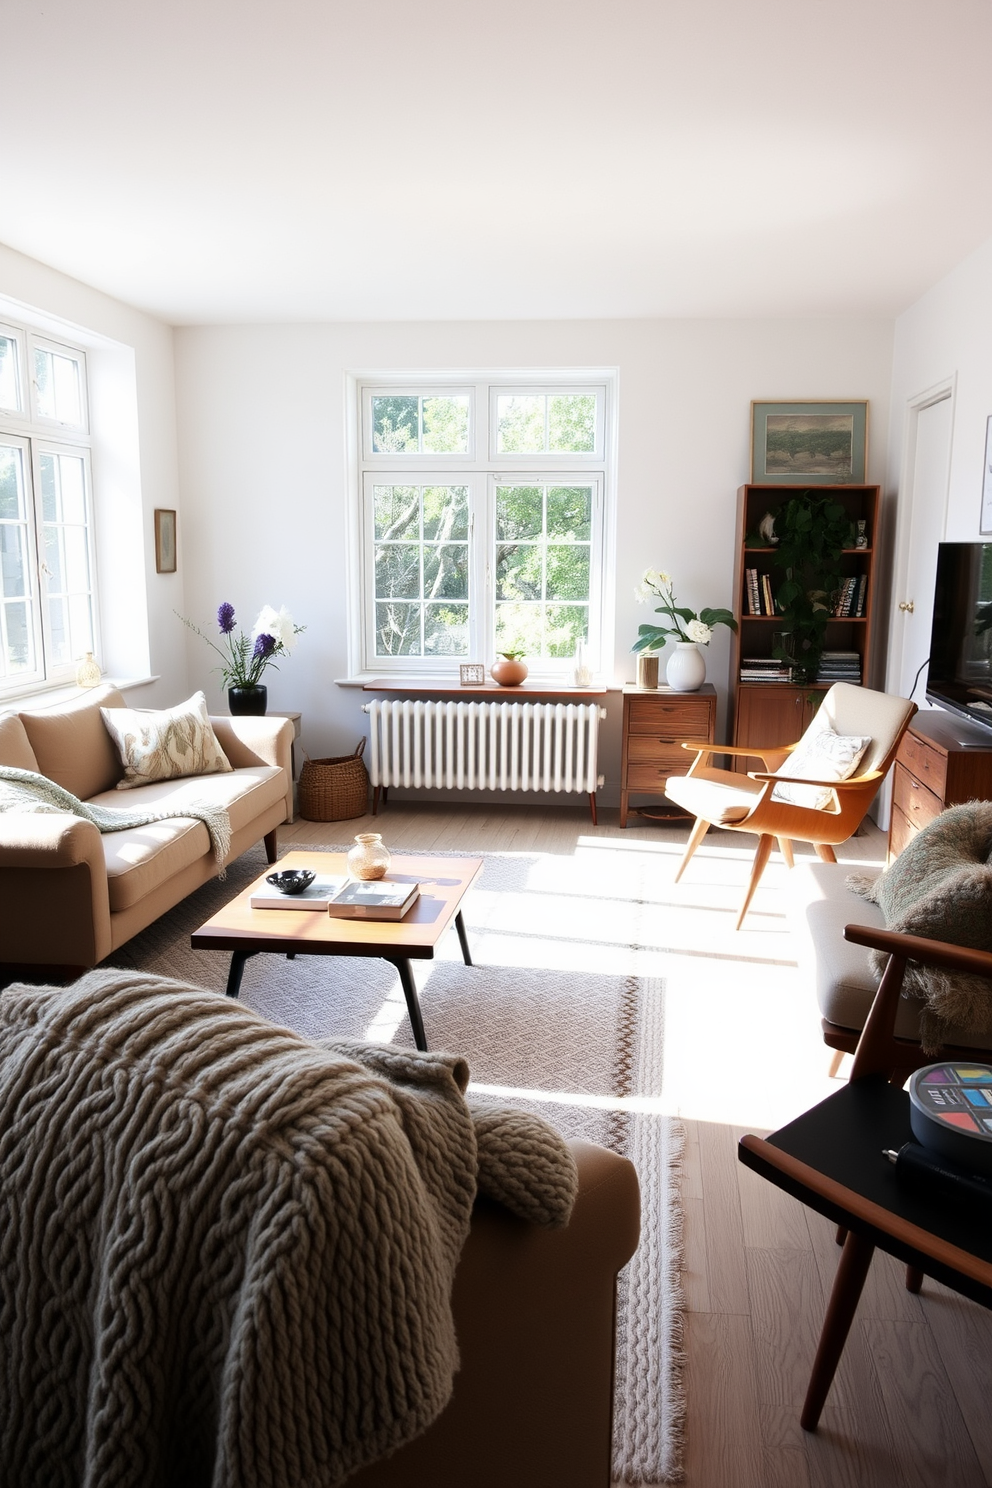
x=291 y=880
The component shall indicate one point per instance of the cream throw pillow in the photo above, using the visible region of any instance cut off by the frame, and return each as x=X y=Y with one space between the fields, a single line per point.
x=165 y=745
x=823 y=756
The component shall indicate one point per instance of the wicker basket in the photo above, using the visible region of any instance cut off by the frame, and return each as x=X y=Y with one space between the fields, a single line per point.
x=334 y=789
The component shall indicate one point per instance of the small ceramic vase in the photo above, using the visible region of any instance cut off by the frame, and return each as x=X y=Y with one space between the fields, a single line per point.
x=508 y=673
x=686 y=668
x=368 y=859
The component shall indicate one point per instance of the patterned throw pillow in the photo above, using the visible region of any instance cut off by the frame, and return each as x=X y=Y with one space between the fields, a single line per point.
x=822 y=756
x=165 y=745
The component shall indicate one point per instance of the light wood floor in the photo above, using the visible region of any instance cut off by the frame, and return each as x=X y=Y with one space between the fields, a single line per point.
x=910 y=1405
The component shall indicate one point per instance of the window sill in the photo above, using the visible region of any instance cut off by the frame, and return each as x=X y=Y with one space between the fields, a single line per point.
x=375 y=681
x=54 y=697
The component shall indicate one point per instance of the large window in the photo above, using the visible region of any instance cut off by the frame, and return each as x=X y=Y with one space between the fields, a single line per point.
x=483 y=523
x=47 y=581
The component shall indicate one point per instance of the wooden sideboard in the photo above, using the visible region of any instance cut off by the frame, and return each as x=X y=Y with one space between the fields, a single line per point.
x=654 y=720
x=942 y=761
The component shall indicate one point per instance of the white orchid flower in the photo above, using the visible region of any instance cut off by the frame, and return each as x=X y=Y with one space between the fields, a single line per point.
x=698 y=632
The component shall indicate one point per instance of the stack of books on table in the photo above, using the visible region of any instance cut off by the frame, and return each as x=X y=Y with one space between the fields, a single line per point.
x=840 y=666
x=764 y=669
x=344 y=898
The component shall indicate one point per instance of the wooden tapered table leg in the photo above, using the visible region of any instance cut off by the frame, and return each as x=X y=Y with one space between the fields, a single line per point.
x=844 y=1298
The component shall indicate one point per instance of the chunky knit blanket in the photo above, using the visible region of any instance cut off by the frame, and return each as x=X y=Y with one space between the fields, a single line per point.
x=226 y=1253
x=25 y=790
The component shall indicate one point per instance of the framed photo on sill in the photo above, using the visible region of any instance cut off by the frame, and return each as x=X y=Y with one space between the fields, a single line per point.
x=165 y=540
x=816 y=444
x=986 y=523
x=471 y=674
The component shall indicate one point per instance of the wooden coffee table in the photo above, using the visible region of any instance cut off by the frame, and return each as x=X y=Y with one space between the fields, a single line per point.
x=243 y=931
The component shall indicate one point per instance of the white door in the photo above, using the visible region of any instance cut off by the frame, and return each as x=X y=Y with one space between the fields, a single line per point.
x=926 y=514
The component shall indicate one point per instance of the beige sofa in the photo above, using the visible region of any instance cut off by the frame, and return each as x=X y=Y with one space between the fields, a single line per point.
x=70 y=894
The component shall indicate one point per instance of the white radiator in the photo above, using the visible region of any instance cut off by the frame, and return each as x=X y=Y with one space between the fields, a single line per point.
x=485 y=746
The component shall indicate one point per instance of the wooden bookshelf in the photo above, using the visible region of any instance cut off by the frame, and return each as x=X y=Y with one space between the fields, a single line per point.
x=778 y=712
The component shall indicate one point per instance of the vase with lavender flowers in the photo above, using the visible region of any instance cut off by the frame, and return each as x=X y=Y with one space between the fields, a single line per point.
x=245 y=657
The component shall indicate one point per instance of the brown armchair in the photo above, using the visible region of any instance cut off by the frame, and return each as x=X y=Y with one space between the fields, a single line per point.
x=746 y=803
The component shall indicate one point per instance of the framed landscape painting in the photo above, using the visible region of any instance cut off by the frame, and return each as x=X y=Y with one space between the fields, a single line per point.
x=816 y=444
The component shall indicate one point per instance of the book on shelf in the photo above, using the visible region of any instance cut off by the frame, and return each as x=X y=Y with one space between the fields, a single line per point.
x=766 y=590
x=763 y=669
x=753 y=601
x=317 y=895
x=378 y=899
x=844 y=598
x=859 y=603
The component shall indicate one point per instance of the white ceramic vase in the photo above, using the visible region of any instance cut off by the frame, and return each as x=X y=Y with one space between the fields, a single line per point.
x=686 y=668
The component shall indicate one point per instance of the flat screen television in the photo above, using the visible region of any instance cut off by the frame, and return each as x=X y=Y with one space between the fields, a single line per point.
x=959 y=676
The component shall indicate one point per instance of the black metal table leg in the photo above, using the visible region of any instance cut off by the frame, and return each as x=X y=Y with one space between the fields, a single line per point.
x=463 y=939
x=238 y=959
x=412 y=1003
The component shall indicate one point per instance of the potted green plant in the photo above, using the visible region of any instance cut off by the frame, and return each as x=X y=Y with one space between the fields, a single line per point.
x=811 y=529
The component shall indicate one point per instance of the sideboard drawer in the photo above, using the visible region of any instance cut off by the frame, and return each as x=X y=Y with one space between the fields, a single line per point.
x=677 y=717
x=923 y=761
x=913 y=799
x=650 y=777
x=647 y=748
x=901 y=832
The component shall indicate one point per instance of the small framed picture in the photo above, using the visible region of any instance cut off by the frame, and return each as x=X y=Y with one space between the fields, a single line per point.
x=819 y=444
x=165 y=540
x=472 y=674
x=986 y=526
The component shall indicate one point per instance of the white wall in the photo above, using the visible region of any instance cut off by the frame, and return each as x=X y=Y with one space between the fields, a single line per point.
x=263 y=480
x=132 y=395
x=946 y=336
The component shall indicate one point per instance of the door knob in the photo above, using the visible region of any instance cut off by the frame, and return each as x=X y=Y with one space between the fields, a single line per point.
x=908 y=605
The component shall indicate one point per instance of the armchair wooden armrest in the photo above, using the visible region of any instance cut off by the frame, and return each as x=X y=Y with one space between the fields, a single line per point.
x=702 y=747
x=855 y=781
x=876 y=1052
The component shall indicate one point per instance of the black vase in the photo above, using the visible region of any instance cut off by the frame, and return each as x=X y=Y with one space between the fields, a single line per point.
x=245 y=701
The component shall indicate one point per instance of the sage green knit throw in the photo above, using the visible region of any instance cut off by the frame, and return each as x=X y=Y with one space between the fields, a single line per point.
x=25 y=790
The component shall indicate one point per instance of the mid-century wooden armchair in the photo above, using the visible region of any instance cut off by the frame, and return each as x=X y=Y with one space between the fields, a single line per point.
x=746 y=803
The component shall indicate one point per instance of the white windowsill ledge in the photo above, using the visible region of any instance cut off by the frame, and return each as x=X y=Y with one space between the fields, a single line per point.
x=53 y=697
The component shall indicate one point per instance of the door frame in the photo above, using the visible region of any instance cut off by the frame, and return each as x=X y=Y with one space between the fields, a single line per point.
x=939 y=392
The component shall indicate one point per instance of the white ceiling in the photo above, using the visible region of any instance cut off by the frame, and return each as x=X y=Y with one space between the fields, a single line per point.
x=233 y=160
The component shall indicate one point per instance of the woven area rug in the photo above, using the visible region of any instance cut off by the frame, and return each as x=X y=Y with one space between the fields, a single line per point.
x=554 y=1016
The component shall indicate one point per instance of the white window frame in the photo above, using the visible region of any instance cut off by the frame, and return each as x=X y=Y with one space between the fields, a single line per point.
x=37 y=436
x=480 y=471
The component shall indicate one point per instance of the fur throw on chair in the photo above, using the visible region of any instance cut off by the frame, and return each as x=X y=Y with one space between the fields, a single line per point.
x=940 y=886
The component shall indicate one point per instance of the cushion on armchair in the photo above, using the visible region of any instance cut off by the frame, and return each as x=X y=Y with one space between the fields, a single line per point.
x=820 y=756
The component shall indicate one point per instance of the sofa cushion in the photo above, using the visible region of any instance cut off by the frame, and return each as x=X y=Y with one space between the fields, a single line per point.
x=165 y=744
x=140 y=859
x=72 y=746
x=824 y=755
x=15 y=746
